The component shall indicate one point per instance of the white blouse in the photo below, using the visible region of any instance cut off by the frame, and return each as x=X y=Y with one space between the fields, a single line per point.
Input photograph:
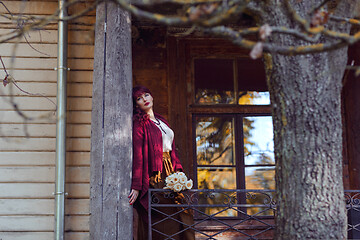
x=167 y=135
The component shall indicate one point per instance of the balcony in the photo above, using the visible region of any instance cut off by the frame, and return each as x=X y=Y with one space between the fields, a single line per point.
x=229 y=214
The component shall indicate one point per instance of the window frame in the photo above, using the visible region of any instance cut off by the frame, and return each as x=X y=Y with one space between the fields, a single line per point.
x=235 y=110
x=240 y=165
x=181 y=53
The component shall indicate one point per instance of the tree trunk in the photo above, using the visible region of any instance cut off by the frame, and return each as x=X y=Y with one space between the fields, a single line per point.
x=308 y=146
x=306 y=103
x=111 y=126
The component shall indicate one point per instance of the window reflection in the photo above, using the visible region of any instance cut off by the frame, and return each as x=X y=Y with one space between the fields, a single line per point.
x=262 y=201
x=254 y=98
x=251 y=80
x=217 y=199
x=215 y=141
x=214 y=81
x=216 y=178
x=215 y=147
x=257 y=178
x=211 y=96
x=230 y=81
x=258 y=140
x=218 y=169
x=260 y=177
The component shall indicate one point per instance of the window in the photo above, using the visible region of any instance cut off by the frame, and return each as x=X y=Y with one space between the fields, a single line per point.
x=234 y=151
x=232 y=133
x=230 y=81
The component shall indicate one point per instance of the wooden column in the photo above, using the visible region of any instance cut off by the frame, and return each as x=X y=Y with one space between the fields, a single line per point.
x=111 y=126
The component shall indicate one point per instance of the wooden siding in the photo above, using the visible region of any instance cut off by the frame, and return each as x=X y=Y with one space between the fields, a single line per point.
x=27 y=150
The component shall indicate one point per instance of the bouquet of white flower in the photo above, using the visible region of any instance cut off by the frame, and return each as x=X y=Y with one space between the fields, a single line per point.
x=178 y=182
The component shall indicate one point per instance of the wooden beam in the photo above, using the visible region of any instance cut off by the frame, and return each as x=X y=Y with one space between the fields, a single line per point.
x=222 y=108
x=111 y=138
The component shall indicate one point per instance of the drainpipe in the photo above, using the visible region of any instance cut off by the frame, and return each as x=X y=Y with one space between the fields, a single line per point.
x=61 y=124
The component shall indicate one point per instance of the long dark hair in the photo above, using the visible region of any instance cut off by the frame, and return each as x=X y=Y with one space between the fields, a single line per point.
x=138 y=114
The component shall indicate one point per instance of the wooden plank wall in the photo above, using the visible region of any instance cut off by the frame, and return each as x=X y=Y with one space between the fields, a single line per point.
x=150 y=65
x=27 y=150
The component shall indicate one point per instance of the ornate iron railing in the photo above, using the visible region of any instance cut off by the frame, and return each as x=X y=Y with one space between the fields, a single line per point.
x=352 y=199
x=225 y=214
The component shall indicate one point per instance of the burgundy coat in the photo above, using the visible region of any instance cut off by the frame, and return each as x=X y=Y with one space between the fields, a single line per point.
x=147 y=156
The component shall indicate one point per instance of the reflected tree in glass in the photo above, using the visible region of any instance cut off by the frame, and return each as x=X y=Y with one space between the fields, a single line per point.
x=215 y=148
x=215 y=141
x=259 y=160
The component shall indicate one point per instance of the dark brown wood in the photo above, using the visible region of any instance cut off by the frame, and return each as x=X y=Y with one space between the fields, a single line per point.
x=210 y=48
x=182 y=70
x=251 y=109
x=150 y=66
x=111 y=139
x=177 y=104
x=352 y=119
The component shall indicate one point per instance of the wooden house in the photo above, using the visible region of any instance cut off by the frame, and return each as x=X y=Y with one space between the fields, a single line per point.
x=196 y=81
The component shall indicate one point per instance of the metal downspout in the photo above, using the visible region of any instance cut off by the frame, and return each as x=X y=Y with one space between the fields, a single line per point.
x=61 y=124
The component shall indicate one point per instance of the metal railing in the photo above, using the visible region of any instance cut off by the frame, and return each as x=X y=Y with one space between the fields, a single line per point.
x=224 y=214
x=352 y=200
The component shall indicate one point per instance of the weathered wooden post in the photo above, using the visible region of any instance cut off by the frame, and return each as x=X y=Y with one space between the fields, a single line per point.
x=111 y=126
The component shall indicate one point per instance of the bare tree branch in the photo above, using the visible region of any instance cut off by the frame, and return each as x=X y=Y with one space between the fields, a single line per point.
x=236 y=38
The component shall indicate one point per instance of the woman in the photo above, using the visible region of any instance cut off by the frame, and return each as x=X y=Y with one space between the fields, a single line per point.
x=154 y=158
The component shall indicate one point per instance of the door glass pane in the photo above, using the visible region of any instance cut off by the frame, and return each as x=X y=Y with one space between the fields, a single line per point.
x=216 y=178
x=214 y=81
x=252 y=82
x=260 y=177
x=258 y=140
x=215 y=141
x=213 y=200
x=254 y=98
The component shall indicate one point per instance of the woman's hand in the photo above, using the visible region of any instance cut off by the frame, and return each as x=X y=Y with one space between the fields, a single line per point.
x=133 y=196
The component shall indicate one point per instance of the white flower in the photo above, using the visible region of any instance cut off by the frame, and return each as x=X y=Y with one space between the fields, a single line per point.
x=169 y=179
x=189 y=184
x=177 y=187
x=175 y=178
x=182 y=179
x=178 y=182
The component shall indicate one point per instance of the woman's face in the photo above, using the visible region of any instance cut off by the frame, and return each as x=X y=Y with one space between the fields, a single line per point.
x=145 y=102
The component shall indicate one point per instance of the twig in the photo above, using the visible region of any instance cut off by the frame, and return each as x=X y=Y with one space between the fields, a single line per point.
x=2 y=62
x=9 y=79
x=352 y=21
x=236 y=38
x=1 y=2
